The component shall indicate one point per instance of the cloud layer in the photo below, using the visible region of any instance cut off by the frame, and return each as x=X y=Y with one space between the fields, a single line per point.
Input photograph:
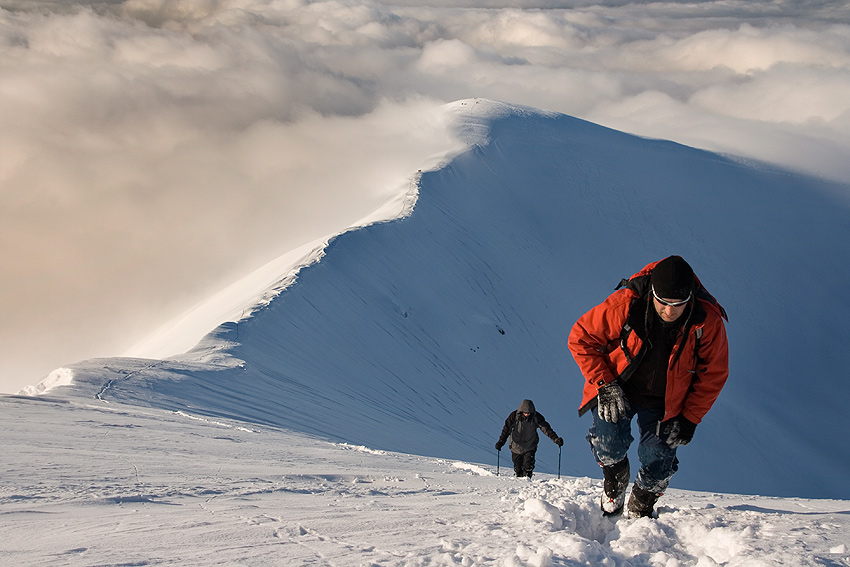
x=152 y=151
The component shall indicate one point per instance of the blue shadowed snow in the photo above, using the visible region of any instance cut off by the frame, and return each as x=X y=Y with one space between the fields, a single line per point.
x=421 y=334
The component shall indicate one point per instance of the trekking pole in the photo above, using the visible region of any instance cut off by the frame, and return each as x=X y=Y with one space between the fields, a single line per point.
x=498 y=458
x=559 y=462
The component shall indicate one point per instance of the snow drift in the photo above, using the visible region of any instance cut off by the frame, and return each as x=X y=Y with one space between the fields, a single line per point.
x=86 y=483
x=421 y=334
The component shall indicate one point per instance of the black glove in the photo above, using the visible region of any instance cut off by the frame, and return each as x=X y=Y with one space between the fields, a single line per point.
x=499 y=445
x=612 y=402
x=677 y=431
x=559 y=442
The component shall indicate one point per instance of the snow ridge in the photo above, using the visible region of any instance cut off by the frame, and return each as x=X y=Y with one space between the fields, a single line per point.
x=421 y=334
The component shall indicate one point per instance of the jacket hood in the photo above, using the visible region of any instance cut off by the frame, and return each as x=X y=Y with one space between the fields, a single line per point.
x=527 y=406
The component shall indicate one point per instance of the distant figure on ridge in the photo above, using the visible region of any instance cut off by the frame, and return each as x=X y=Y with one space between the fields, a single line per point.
x=521 y=426
x=655 y=349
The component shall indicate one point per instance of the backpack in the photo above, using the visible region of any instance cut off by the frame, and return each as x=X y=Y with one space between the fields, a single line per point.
x=639 y=284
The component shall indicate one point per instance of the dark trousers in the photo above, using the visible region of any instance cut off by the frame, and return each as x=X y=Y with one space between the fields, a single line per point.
x=523 y=463
x=610 y=443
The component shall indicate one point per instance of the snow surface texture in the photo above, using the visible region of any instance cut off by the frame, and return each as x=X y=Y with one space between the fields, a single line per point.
x=420 y=335
x=86 y=483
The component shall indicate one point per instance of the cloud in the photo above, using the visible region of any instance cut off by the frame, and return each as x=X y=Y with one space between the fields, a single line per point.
x=155 y=150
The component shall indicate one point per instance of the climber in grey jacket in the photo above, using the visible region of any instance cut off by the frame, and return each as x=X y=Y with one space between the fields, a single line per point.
x=521 y=426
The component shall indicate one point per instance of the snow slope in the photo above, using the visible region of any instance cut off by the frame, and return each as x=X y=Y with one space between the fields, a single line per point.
x=420 y=335
x=86 y=483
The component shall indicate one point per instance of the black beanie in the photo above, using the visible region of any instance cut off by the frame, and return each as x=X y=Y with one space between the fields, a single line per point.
x=672 y=278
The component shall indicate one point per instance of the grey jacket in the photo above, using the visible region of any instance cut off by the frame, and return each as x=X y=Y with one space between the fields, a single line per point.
x=522 y=430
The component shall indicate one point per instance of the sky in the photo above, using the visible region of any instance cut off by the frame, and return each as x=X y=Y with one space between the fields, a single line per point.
x=154 y=152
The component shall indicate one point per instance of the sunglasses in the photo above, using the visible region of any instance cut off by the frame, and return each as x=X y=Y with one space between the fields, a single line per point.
x=671 y=303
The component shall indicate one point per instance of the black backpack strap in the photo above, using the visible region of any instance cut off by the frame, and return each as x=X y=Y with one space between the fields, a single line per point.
x=697 y=358
x=634 y=360
x=624 y=336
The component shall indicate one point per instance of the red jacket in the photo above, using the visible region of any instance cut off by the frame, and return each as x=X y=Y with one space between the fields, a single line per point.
x=692 y=384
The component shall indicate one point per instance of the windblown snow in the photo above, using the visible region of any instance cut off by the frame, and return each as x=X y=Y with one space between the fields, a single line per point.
x=348 y=416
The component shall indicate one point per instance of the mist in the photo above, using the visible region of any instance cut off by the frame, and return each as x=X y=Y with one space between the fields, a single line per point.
x=154 y=151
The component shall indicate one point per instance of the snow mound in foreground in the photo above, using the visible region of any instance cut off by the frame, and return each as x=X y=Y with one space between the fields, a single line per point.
x=104 y=484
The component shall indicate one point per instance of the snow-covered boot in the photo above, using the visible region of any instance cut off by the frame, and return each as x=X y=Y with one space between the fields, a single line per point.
x=642 y=502
x=614 y=487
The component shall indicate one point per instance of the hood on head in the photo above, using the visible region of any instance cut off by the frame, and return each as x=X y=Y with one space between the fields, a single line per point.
x=527 y=406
